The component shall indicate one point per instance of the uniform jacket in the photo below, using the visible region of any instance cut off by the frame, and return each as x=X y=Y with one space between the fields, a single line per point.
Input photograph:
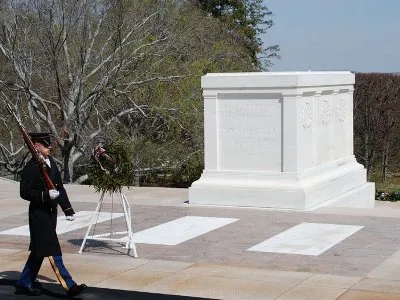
x=42 y=209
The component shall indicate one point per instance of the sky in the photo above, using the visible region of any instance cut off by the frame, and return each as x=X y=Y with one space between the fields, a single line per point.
x=335 y=35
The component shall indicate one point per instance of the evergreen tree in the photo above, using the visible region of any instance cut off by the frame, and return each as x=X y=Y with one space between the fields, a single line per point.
x=246 y=20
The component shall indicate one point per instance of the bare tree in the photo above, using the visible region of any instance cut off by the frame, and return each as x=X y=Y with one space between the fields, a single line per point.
x=78 y=68
x=72 y=59
x=376 y=110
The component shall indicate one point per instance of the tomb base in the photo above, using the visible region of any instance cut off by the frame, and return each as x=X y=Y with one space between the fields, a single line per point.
x=341 y=183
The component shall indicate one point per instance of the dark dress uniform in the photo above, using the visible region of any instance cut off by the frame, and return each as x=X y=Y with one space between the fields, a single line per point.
x=42 y=226
x=42 y=209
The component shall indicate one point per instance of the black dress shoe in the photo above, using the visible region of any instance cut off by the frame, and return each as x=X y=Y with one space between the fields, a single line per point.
x=75 y=290
x=37 y=285
x=27 y=290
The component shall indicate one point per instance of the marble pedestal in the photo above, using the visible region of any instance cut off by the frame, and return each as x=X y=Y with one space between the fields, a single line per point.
x=280 y=140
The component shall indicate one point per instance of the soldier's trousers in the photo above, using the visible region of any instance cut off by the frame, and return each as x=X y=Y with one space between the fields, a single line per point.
x=32 y=267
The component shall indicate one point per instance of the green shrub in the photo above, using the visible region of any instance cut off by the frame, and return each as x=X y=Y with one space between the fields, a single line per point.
x=387 y=196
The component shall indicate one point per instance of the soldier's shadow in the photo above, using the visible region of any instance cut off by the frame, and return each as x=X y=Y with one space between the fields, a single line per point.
x=49 y=288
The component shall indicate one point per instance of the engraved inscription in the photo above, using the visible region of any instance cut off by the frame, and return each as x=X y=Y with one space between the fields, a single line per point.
x=269 y=132
x=249 y=134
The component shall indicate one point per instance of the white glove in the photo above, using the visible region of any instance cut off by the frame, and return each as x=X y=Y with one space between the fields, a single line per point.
x=53 y=194
x=70 y=218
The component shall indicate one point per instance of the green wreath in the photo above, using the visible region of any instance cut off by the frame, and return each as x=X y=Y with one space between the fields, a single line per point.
x=111 y=167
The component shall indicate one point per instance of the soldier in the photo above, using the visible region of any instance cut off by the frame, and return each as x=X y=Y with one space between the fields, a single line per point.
x=43 y=221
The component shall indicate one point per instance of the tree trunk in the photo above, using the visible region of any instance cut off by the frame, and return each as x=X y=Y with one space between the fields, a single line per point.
x=366 y=140
x=66 y=155
x=369 y=156
x=385 y=158
x=369 y=165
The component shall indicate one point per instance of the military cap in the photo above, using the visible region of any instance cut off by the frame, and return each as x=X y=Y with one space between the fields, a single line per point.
x=41 y=137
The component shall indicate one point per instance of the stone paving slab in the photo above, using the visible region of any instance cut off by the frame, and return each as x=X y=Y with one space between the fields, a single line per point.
x=360 y=295
x=303 y=291
x=365 y=265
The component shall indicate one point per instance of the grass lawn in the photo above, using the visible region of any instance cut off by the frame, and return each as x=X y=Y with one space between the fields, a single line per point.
x=392 y=184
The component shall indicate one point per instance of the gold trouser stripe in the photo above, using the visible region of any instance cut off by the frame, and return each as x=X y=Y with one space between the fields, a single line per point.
x=57 y=271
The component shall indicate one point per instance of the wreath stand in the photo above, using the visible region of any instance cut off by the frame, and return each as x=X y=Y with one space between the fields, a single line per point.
x=111 y=236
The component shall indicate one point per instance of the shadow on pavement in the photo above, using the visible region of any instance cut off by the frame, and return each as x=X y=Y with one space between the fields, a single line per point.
x=55 y=291
x=93 y=246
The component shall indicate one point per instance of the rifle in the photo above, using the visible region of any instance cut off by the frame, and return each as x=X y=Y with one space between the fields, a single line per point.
x=39 y=160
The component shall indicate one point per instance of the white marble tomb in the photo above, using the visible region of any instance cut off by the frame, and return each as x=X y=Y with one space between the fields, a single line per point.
x=280 y=140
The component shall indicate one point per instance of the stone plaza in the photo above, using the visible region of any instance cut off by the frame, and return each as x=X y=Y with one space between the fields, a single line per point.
x=240 y=253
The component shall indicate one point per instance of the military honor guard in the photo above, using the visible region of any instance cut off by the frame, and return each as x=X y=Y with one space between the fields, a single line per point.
x=43 y=220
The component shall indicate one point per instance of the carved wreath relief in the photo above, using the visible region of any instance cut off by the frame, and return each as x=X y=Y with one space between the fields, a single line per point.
x=306 y=113
x=341 y=110
x=325 y=114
